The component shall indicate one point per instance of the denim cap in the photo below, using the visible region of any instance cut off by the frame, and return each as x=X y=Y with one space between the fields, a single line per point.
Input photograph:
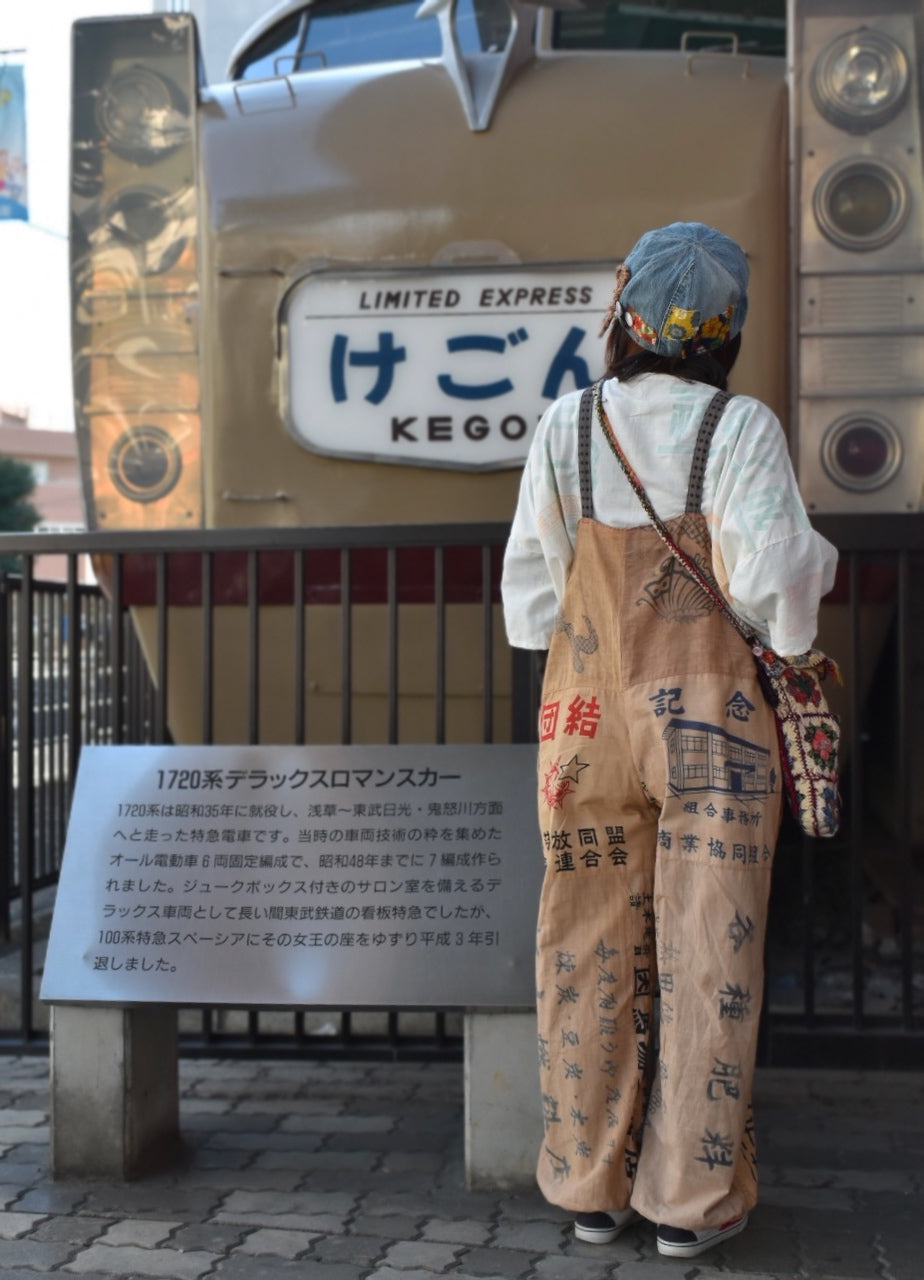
x=687 y=291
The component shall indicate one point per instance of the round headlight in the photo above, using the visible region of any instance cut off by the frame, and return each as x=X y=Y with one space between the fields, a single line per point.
x=861 y=80
x=151 y=223
x=861 y=452
x=145 y=463
x=861 y=203
x=142 y=115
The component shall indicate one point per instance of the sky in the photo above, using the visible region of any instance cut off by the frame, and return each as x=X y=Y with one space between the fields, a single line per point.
x=34 y=312
x=34 y=274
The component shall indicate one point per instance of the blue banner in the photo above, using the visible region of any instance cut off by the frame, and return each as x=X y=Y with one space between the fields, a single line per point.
x=13 y=193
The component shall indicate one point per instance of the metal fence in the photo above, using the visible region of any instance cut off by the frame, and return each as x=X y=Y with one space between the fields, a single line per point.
x=394 y=634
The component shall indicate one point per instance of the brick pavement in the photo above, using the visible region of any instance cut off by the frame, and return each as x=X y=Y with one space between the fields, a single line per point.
x=347 y=1172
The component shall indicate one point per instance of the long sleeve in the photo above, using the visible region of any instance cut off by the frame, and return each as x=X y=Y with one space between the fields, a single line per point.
x=778 y=568
x=541 y=544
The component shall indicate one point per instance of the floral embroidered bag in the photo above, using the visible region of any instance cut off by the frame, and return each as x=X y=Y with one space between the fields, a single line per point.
x=809 y=733
x=808 y=730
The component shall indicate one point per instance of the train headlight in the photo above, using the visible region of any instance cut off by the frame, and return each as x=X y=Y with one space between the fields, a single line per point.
x=143 y=115
x=861 y=203
x=145 y=463
x=861 y=451
x=150 y=222
x=860 y=81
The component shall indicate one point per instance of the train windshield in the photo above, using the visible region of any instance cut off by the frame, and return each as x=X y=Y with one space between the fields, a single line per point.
x=350 y=33
x=758 y=25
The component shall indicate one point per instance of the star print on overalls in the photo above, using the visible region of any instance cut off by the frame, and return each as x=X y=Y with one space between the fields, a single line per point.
x=560 y=780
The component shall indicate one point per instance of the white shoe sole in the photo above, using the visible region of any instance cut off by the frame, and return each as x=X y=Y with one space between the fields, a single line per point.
x=606 y=1235
x=695 y=1247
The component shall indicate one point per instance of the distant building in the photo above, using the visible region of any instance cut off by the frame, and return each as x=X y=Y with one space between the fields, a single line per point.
x=52 y=455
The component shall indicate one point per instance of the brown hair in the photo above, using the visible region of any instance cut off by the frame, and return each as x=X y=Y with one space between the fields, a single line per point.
x=625 y=360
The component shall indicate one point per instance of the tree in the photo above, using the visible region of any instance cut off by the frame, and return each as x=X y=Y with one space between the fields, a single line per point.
x=17 y=514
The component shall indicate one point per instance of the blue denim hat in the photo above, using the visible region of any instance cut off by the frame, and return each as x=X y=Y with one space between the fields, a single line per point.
x=686 y=291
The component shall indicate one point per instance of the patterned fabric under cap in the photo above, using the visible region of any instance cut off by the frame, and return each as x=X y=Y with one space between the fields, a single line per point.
x=683 y=326
x=687 y=292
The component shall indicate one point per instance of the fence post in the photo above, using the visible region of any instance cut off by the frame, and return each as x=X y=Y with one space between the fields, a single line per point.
x=8 y=846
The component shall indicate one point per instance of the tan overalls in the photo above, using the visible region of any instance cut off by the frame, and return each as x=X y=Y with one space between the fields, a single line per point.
x=659 y=807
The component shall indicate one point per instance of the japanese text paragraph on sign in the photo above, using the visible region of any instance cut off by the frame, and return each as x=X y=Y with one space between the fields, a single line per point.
x=355 y=875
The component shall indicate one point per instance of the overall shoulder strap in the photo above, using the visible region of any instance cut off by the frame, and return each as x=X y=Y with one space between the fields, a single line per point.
x=696 y=571
x=714 y=411
x=584 y=423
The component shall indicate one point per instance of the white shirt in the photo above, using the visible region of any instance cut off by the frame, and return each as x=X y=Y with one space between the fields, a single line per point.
x=773 y=567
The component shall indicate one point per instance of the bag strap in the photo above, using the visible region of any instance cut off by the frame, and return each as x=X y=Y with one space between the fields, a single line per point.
x=584 y=424
x=707 y=583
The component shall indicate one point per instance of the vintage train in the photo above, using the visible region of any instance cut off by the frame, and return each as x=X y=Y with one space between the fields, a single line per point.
x=341 y=287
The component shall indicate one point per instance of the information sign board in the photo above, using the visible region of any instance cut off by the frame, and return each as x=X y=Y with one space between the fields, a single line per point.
x=344 y=876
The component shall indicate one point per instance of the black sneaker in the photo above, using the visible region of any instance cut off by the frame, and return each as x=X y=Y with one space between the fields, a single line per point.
x=602 y=1228
x=678 y=1242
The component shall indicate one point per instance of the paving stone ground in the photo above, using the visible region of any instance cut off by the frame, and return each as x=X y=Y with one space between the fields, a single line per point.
x=356 y=1172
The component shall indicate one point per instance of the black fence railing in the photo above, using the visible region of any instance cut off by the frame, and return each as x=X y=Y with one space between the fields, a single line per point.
x=56 y=649
x=395 y=634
